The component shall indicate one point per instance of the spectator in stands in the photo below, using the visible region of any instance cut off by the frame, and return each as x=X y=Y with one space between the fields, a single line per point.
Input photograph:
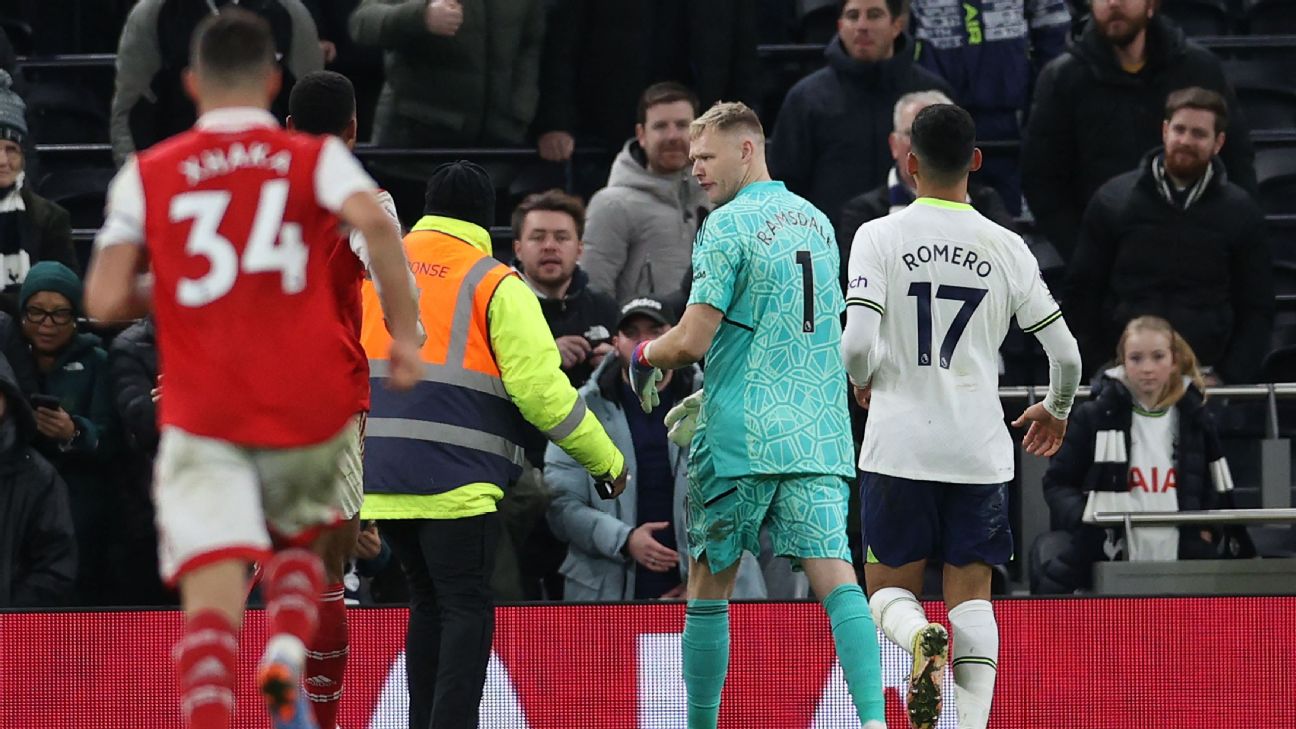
x=1096 y=107
x=639 y=234
x=150 y=102
x=133 y=373
x=548 y=231
x=991 y=52
x=548 y=228
x=830 y=142
x=1176 y=238
x=1144 y=442
x=363 y=65
x=900 y=189
x=78 y=434
x=634 y=548
x=37 y=543
x=32 y=229
x=599 y=56
x=458 y=75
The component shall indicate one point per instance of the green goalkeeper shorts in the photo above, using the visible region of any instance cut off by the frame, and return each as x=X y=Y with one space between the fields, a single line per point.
x=805 y=515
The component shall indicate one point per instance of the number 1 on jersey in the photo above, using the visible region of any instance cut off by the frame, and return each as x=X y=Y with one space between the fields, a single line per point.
x=922 y=292
x=807 y=286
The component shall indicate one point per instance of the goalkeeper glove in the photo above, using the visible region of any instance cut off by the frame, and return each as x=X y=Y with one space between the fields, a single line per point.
x=682 y=419
x=644 y=378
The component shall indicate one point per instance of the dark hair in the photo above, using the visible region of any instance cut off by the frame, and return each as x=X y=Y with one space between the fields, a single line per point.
x=666 y=92
x=895 y=7
x=322 y=102
x=233 y=46
x=554 y=200
x=1195 y=97
x=944 y=137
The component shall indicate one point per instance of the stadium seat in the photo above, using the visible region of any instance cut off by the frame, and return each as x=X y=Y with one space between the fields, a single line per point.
x=66 y=113
x=1276 y=173
x=1199 y=17
x=80 y=191
x=1266 y=92
x=1270 y=17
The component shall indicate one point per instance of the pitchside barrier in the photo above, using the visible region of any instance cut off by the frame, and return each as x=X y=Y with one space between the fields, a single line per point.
x=1065 y=663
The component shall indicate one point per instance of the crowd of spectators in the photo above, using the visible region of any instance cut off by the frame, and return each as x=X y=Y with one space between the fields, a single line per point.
x=1136 y=166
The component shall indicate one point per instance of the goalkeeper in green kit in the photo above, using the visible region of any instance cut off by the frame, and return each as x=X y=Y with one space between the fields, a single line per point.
x=771 y=435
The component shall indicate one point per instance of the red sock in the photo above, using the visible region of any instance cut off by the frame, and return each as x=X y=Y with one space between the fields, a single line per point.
x=293 y=581
x=326 y=657
x=205 y=663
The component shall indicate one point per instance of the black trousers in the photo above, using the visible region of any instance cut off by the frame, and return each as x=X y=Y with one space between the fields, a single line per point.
x=448 y=563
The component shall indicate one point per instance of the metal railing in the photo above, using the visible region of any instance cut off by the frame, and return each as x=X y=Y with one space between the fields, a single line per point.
x=1130 y=519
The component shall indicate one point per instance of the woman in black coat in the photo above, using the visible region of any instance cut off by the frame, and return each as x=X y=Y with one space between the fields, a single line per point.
x=1144 y=442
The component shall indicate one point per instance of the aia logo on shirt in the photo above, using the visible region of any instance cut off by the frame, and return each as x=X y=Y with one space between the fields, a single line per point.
x=1153 y=480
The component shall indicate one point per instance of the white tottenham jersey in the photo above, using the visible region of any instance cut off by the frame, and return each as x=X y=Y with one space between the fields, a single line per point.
x=947 y=282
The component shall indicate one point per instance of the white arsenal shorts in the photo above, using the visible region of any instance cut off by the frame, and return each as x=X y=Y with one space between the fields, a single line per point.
x=216 y=500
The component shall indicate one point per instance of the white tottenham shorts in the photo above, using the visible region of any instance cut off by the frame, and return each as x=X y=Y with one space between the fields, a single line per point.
x=217 y=500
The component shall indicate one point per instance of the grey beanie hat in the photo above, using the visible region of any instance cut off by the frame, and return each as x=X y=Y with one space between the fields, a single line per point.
x=13 y=111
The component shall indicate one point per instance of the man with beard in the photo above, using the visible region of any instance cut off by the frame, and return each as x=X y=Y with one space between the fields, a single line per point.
x=1175 y=238
x=1096 y=108
x=639 y=238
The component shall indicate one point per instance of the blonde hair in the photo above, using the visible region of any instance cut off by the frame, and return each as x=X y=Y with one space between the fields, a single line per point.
x=728 y=116
x=1185 y=359
x=923 y=99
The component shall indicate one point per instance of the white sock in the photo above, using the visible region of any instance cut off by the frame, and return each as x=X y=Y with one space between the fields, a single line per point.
x=976 y=656
x=899 y=614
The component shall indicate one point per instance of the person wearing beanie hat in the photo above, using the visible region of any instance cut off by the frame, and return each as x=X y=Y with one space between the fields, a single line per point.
x=493 y=368
x=76 y=423
x=31 y=228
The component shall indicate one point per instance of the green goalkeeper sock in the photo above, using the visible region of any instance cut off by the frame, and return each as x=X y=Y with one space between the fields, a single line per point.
x=857 y=649
x=706 y=659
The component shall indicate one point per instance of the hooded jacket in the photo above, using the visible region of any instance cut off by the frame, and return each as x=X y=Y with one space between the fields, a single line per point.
x=1092 y=121
x=829 y=143
x=597 y=529
x=37 y=543
x=1206 y=269
x=639 y=229
x=581 y=312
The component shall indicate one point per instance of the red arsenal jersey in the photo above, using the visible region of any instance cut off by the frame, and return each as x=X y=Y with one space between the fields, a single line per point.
x=239 y=219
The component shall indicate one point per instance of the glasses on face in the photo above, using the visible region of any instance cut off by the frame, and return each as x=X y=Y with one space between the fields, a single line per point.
x=59 y=317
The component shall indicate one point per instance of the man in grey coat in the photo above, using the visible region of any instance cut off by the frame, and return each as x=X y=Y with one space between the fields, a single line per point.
x=639 y=229
x=631 y=548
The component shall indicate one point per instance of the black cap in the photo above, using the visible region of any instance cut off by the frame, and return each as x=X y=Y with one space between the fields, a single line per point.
x=461 y=190
x=648 y=305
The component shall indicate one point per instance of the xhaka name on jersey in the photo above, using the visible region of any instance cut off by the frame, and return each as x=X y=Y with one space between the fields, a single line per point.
x=951 y=254
x=211 y=163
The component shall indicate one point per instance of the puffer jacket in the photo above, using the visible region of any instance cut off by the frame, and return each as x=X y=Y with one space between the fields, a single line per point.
x=639 y=229
x=38 y=559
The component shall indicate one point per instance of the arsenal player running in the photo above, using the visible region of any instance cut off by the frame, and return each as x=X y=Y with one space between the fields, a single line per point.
x=239 y=217
x=323 y=102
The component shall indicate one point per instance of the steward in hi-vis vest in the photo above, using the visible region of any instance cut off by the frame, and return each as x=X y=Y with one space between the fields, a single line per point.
x=449 y=447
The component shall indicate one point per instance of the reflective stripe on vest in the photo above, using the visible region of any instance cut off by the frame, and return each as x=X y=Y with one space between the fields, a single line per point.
x=458 y=425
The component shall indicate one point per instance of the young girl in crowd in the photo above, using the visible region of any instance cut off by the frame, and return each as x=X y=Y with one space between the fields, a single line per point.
x=1143 y=442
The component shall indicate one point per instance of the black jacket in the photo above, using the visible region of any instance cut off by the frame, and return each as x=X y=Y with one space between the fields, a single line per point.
x=133 y=369
x=1206 y=269
x=1092 y=121
x=37 y=545
x=829 y=143
x=598 y=58
x=876 y=203
x=583 y=312
x=45 y=233
x=1072 y=473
